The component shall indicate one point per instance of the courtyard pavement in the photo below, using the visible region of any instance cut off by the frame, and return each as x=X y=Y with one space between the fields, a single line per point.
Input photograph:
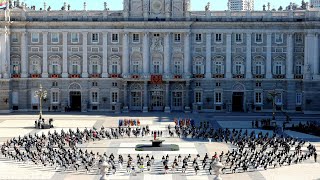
x=13 y=125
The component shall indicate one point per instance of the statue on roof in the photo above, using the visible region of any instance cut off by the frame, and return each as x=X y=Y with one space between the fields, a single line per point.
x=207 y=7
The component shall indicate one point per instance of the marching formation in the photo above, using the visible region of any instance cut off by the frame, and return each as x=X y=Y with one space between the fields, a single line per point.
x=253 y=151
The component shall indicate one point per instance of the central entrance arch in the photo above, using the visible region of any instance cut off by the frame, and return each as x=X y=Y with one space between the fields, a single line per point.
x=75 y=97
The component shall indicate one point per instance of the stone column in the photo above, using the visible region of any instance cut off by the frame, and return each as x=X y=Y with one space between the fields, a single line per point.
x=187 y=58
x=146 y=56
x=125 y=97
x=187 y=105
x=249 y=58
x=308 y=55
x=208 y=55
x=105 y=56
x=228 y=57
x=6 y=62
x=65 y=55
x=24 y=55
x=167 y=55
x=1 y=52
x=269 y=61
x=289 y=61
x=45 y=55
x=167 y=107
x=125 y=58
x=84 y=55
x=145 y=97
x=316 y=57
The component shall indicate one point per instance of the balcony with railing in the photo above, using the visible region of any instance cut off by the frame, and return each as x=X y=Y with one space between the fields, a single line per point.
x=198 y=76
x=298 y=76
x=279 y=76
x=218 y=76
x=16 y=75
x=114 y=75
x=35 y=75
x=74 y=76
x=258 y=76
x=54 y=75
x=94 y=75
x=238 y=76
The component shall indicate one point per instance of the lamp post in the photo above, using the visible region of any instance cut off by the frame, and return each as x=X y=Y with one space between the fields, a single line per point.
x=42 y=94
x=273 y=94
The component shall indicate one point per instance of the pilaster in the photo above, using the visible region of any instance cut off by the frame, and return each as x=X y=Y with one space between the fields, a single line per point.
x=228 y=57
x=289 y=62
x=308 y=55
x=146 y=63
x=167 y=54
x=65 y=55
x=167 y=105
x=145 y=97
x=45 y=55
x=269 y=61
x=187 y=58
x=249 y=58
x=105 y=56
x=125 y=97
x=187 y=105
x=125 y=58
x=85 y=55
x=24 y=55
x=208 y=55
x=316 y=57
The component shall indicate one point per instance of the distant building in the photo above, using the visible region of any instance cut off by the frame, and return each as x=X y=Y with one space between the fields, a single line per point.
x=241 y=5
x=315 y=3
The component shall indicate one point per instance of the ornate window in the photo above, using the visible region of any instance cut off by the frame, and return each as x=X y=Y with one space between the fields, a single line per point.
x=54 y=37
x=218 y=38
x=35 y=66
x=95 y=67
x=298 y=69
x=35 y=37
x=258 y=98
x=74 y=37
x=114 y=97
x=177 y=37
x=278 y=38
x=157 y=64
x=279 y=65
x=259 y=37
x=115 y=38
x=298 y=98
x=218 y=65
x=95 y=37
x=198 y=37
x=15 y=67
x=198 y=66
x=278 y=99
x=156 y=67
x=238 y=38
x=75 y=67
x=136 y=38
x=177 y=67
x=114 y=66
x=14 y=38
x=238 y=66
x=135 y=67
x=136 y=63
x=299 y=38
x=94 y=97
x=218 y=97
x=55 y=96
x=198 y=97
x=258 y=66
x=55 y=67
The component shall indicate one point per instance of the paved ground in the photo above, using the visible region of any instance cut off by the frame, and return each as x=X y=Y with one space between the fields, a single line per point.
x=13 y=125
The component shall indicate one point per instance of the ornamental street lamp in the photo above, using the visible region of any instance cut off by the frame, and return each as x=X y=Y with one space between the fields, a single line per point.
x=42 y=94
x=273 y=93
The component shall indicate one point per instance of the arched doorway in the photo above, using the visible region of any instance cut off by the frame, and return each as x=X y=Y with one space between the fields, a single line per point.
x=75 y=97
x=238 y=98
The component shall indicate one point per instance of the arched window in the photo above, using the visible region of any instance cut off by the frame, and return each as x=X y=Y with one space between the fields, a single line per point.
x=75 y=67
x=136 y=63
x=114 y=65
x=238 y=66
x=177 y=67
x=157 y=64
x=298 y=69
x=15 y=67
x=218 y=65
x=54 y=64
x=258 y=67
x=279 y=66
x=35 y=66
x=198 y=67
x=94 y=67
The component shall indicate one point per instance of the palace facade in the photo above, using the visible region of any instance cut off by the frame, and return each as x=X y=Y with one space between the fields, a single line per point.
x=157 y=55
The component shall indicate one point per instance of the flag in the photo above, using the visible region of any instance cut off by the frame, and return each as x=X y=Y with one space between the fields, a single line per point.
x=3 y=4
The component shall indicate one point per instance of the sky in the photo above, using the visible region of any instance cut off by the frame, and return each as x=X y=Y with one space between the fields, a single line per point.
x=196 y=5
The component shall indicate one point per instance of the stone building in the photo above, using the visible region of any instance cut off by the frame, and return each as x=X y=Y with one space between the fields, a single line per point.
x=157 y=55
